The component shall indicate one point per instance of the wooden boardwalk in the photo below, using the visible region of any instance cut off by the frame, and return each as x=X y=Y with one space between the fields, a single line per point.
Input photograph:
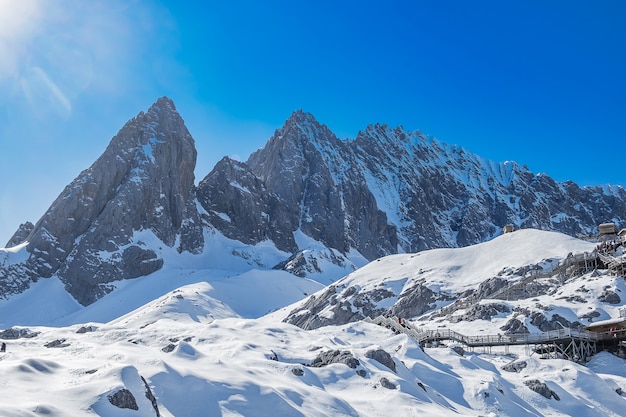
x=572 y=344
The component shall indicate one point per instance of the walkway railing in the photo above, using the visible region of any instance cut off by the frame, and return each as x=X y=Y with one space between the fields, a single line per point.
x=433 y=335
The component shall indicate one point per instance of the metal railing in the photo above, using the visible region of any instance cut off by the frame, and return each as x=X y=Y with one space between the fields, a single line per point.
x=432 y=335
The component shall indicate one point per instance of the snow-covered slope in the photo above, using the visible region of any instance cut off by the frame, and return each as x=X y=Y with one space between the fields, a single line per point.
x=458 y=269
x=411 y=285
x=244 y=282
x=180 y=352
x=199 y=342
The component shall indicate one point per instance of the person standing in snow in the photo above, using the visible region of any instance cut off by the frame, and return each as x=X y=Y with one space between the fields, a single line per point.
x=3 y=348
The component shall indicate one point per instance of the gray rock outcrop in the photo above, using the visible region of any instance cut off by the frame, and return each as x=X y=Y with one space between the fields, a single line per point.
x=13 y=333
x=382 y=357
x=239 y=204
x=541 y=388
x=484 y=311
x=386 y=383
x=610 y=297
x=517 y=366
x=306 y=184
x=307 y=315
x=123 y=398
x=20 y=236
x=150 y=396
x=556 y=322
x=335 y=356
x=514 y=326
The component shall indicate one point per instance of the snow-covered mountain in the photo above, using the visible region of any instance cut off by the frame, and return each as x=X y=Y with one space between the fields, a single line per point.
x=322 y=206
x=474 y=279
x=208 y=348
x=392 y=191
x=95 y=231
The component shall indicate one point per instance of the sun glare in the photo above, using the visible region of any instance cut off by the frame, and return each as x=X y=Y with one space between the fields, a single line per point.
x=18 y=20
x=18 y=17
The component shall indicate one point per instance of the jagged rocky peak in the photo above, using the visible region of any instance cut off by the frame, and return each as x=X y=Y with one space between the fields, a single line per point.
x=293 y=150
x=238 y=203
x=317 y=176
x=20 y=235
x=142 y=184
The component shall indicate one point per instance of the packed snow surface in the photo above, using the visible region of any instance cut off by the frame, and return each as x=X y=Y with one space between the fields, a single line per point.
x=204 y=345
x=458 y=269
x=197 y=364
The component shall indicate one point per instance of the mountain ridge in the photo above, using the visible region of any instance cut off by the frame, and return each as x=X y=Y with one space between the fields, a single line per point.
x=315 y=198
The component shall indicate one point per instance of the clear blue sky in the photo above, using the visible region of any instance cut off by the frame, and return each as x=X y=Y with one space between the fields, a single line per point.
x=541 y=83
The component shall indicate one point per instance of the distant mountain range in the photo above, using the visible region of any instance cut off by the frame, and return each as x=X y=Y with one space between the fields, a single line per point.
x=323 y=206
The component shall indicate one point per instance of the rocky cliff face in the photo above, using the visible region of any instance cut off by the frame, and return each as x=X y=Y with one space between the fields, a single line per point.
x=321 y=200
x=20 y=235
x=314 y=186
x=390 y=191
x=142 y=185
x=239 y=204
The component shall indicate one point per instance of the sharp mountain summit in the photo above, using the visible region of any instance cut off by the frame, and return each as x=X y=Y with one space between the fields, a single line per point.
x=324 y=206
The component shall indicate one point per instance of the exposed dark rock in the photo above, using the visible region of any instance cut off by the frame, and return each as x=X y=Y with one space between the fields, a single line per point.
x=515 y=366
x=366 y=301
x=307 y=315
x=151 y=398
x=303 y=263
x=314 y=175
x=556 y=322
x=541 y=388
x=123 y=398
x=522 y=310
x=381 y=357
x=573 y=299
x=86 y=329
x=361 y=373
x=415 y=301
x=591 y=315
x=13 y=333
x=458 y=350
x=335 y=356
x=21 y=235
x=297 y=371
x=490 y=286
x=485 y=311
x=531 y=289
x=169 y=348
x=514 y=326
x=385 y=383
x=58 y=343
x=240 y=206
x=610 y=297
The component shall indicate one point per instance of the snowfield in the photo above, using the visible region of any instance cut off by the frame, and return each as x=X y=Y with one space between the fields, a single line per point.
x=196 y=365
x=201 y=343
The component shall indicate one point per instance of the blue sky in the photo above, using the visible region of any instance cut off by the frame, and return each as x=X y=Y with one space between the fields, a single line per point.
x=541 y=83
